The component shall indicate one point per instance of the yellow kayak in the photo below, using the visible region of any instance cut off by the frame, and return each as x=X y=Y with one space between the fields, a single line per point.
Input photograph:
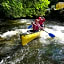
x=26 y=38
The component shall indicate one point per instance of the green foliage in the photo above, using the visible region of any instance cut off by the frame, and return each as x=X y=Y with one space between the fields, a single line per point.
x=12 y=8
x=23 y=8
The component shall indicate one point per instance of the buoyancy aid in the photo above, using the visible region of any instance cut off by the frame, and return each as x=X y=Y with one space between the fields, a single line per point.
x=41 y=21
x=35 y=27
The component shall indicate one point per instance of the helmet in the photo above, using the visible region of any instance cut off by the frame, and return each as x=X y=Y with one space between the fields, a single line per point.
x=36 y=20
x=39 y=18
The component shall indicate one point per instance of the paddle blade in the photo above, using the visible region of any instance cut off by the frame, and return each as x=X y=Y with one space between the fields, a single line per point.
x=30 y=26
x=51 y=35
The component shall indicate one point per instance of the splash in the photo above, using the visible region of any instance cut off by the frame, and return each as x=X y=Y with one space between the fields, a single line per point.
x=58 y=31
x=11 y=33
x=8 y=34
x=45 y=38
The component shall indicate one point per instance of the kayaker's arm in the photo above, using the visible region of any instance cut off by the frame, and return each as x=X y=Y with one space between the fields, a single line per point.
x=40 y=27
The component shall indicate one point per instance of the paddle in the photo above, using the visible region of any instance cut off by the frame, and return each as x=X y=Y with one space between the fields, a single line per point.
x=30 y=26
x=50 y=34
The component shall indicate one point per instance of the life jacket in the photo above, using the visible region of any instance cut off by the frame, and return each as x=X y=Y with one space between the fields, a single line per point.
x=35 y=27
x=41 y=21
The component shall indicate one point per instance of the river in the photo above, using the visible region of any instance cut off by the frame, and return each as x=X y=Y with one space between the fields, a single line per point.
x=44 y=50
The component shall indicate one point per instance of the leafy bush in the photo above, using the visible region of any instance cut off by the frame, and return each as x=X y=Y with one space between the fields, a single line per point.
x=23 y=8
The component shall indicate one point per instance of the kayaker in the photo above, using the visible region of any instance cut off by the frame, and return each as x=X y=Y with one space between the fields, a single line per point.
x=41 y=21
x=36 y=25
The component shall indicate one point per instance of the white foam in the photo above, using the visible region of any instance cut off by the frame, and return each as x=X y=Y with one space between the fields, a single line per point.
x=23 y=21
x=8 y=34
x=59 y=36
x=11 y=33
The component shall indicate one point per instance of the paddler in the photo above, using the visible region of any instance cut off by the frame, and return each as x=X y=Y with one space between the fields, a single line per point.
x=41 y=21
x=36 y=25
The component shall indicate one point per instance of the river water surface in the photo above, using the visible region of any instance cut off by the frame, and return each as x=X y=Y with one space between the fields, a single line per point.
x=43 y=50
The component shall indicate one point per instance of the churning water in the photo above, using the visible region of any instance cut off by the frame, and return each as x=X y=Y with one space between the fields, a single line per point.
x=44 y=50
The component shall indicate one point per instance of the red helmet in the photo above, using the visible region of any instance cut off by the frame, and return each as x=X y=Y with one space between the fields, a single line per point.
x=39 y=18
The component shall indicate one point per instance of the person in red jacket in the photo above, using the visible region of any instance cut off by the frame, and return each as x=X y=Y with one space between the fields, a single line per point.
x=36 y=26
x=41 y=21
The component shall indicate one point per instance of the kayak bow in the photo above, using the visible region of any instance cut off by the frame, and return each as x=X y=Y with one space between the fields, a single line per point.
x=26 y=38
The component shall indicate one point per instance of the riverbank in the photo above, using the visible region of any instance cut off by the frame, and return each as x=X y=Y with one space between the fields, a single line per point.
x=55 y=15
